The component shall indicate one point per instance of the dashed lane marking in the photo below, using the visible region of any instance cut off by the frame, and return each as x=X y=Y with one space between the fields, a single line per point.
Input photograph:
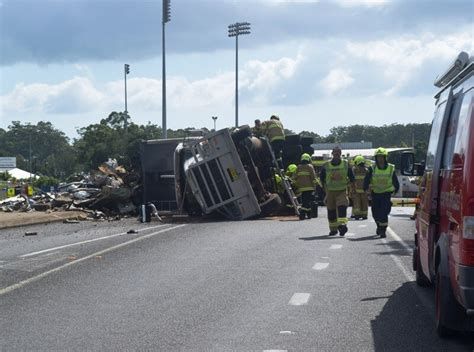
x=59 y=268
x=349 y=234
x=320 y=266
x=82 y=242
x=336 y=246
x=361 y=226
x=299 y=299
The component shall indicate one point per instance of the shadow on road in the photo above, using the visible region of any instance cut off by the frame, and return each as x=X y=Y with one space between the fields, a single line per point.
x=366 y=238
x=318 y=238
x=404 y=324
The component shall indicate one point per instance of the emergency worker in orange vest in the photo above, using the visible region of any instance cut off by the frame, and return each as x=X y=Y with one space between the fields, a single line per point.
x=335 y=176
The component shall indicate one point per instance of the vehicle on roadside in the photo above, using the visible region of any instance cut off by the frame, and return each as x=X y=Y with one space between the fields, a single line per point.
x=231 y=173
x=444 y=239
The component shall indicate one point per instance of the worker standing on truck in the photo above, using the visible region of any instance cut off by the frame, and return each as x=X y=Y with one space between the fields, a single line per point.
x=360 y=201
x=383 y=181
x=305 y=180
x=275 y=133
x=257 y=129
x=335 y=175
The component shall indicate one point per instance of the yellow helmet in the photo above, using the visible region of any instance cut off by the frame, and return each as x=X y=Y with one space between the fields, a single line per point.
x=381 y=151
x=359 y=159
x=291 y=169
x=305 y=157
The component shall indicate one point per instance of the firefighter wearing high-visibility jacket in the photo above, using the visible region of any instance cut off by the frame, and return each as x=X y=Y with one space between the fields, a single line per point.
x=383 y=182
x=360 y=202
x=335 y=175
x=305 y=180
x=275 y=133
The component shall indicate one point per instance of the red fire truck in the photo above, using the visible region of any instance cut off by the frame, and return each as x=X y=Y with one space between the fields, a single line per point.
x=444 y=239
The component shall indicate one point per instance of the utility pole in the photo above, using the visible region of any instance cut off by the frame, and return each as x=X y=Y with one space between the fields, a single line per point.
x=166 y=19
x=236 y=29
x=126 y=71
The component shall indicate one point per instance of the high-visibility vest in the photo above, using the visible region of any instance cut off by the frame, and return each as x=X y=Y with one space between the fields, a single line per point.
x=382 y=179
x=336 y=176
x=305 y=178
x=274 y=130
x=359 y=175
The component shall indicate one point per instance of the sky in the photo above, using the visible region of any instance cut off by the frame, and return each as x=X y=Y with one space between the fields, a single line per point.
x=315 y=63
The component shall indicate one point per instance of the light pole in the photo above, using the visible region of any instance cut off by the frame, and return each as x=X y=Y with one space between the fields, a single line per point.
x=126 y=71
x=166 y=19
x=236 y=29
x=215 y=119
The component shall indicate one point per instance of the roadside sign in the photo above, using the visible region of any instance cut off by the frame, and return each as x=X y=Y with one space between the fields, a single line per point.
x=7 y=162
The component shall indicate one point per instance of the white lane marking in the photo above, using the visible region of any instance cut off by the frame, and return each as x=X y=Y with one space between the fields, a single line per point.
x=82 y=242
x=275 y=350
x=299 y=299
x=286 y=332
x=59 y=268
x=349 y=234
x=408 y=274
x=336 y=246
x=320 y=266
x=399 y=239
x=325 y=257
x=362 y=226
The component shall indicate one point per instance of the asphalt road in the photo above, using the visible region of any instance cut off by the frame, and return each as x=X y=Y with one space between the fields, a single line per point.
x=258 y=285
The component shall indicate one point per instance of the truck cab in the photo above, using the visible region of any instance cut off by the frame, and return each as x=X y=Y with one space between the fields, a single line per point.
x=444 y=239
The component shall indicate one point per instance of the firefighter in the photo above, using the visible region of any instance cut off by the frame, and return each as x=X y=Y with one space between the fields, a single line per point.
x=275 y=133
x=305 y=180
x=257 y=129
x=335 y=176
x=360 y=202
x=383 y=182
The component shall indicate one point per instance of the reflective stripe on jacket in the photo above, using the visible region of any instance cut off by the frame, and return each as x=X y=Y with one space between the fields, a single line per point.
x=382 y=179
x=336 y=176
x=274 y=130
x=305 y=178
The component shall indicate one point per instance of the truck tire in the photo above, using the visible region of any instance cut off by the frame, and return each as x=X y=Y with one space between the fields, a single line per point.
x=271 y=205
x=292 y=139
x=421 y=278
x=241 y=133
x=306 y=141
x=450 y=316
x=292 y=152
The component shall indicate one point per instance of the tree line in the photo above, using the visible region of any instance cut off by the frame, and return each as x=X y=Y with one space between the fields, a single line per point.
x=45 y=150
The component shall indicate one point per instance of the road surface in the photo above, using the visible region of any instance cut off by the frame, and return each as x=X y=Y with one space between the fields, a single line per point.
x=262 y=285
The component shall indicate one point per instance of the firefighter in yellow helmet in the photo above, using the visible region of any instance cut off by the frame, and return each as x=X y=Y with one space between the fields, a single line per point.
x=305 y=180
x=383 y=182
x=360 y=202
x=335 y=175
x=274 y=131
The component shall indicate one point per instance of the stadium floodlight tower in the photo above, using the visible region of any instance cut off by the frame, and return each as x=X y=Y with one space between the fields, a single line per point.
x=236 y=29
x=166 y=19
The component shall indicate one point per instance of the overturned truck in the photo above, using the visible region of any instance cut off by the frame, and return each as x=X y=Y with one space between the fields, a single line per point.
x=223 y=172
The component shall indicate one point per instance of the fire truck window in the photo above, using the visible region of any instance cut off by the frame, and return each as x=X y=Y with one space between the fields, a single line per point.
x=451 y=133
x=464 y=124
x=434 y=136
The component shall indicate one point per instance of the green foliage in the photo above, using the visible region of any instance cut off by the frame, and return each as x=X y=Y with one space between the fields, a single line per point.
x=4 y=176
x=46 y=181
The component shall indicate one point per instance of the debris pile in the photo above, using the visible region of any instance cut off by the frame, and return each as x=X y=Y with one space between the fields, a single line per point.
x=107 y=193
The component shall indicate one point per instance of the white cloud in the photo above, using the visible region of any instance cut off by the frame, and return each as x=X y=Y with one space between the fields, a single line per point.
x=366 y=3
x=336 y=80
x=401 y=57
x=80 y=95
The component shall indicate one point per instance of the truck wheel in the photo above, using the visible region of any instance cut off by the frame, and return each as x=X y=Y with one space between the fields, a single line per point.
x=306 y=141
x=421 y=278
x=292 y=152
x=241 y=133
x=271 y=205
x=449 y=313
x=292 y=139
